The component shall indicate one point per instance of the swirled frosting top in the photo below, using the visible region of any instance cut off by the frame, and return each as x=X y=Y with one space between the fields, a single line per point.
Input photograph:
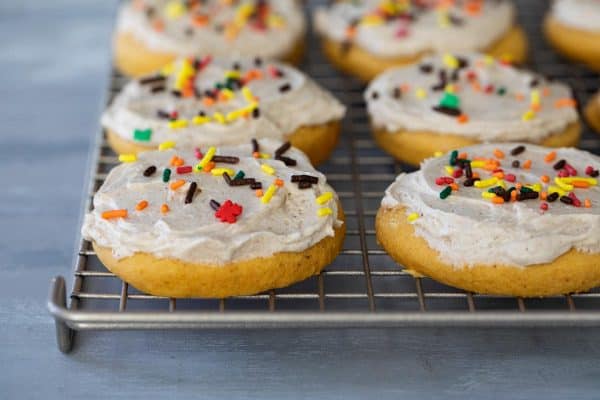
x=220 y=206
x=470 y=95
x=396 y=28
x=220 y=27
x=508 y=204
x=582 y=14
x=219 y=101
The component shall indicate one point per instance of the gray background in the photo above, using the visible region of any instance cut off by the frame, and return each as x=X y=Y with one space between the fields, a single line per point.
x=55 y=61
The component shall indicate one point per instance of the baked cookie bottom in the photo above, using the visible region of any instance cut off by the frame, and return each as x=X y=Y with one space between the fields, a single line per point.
x=573 y=43
x=135 y=59
x=366 y=66
x=316 y=141
x=412 y=147
x=572 y=272
x=177 y=278
x=592 y=113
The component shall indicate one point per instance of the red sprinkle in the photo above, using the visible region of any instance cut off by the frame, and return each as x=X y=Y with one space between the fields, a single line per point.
x=185 y=169
x=563 y=173
x=576 y=201
x=198 y=153
x=228 y=212
x=458 y=172
x=572 y=171
x=544 y=206
x=510 y=177
x=444 y=180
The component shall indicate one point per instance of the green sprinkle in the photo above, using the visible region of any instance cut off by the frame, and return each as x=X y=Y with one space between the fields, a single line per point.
x=142 y=135
x=525 y=189
x=446 y=192
x=501 y=91
x=166 y=175
x=239 y=175
x=453 y=157
x=450 y=100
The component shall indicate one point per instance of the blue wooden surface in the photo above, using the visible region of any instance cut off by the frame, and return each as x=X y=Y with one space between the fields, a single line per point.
x=54 y=58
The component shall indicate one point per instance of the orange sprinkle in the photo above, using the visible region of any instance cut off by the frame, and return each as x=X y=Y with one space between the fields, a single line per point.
x=519 y=96
x=259 y=193
x=208 y=167
x=256 y=154
x=513 y=195
x=158 y=25
x=498 y=199
x=498 y=154
x=462 y=119
x=476 y=175
x=208 y=101
x=177 y=184
x=223 y=96
x=405 y=87
x=141 y=205
x=587 y=203
x=550 y=156
x=114 y=214
x=463 y=156
x=176 y=161
x=454 y=187
x=565 y=102
x=518 y=186
x=527 y=164
x=200 y=20
x=544 y=195
x=535 y=107
x=476 y=86
x=580 y=184
x=546 y=91
x=545 y=178
x=279 y=182
x=164 y=209
x=499 y=174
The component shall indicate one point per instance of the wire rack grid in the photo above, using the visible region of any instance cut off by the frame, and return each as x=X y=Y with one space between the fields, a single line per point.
x=363 y=287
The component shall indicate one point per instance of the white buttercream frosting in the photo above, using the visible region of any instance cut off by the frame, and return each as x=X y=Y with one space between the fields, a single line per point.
x=422 y=27
x=280 y=112
x=214 y=26
x=497 y=100
x=582 y=14
x=192 y=232
x=467 y=229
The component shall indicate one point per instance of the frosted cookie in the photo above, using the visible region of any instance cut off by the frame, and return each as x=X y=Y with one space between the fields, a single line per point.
x=573 y=28
x=451 y=101
x=231 y=221
x=152 y=33
x=592 y=112
x=508 y=219
x=205 y=102
x=364 y=38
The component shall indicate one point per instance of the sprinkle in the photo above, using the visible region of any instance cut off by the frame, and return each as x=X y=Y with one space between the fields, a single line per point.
x=226 y=159
x=420 y=93
x=444 y=180
x=498 y=154
x=255 y=147
x=486 y=182
x=558 y=190
x=488 y=195
x=142 y=135
x=544 y=206
x=166 y=175
x=572 y=171
x=450 y=61
x=268 y=194
x=498 y=200
x=527 y=164
x=445 y=193
x=449 y=169
x=528 y=115
x=256 y=185
x=413 y=217
x=565 y=102
x=207 y=157
x=516 y=164
x=550 y=157
x=305 y=178
x=127 y=158
x=164 y=209
x=587 y=203
x=438 y=154
x=186 y=169
x=562 y=184
x=259 y=193
x=178 y=124
x=221 y=171
x=285 y=88
x=267 y=169
x=324 y=198
x=176 y=161
x=581 y=184
x=149 y=171
x=166 y=145
x=545 y=178
x=566 y=200
x=112 y=214
x=559 y=164
x=462 y=119
x=576 y=201
x=552 y=196
x=282 y=149
x=453 y=112
x=453 y=157
x=229 y=212
x=279 y=182
x=177 y=184
x=189 y=196
x=290 y=162
x=571 y=179
x=323 y=212
x=200 y=120
x=510 y=177
x=141 y=205
x=215 y=205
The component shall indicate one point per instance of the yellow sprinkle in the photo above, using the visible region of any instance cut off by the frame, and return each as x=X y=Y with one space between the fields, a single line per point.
x=166 y=145
x=552 y=189
x=570 y=179
x=227 y=93
x=371 y=20
x=207 y=157
x=449 y=169
x=322 y=212
x=167 y=69
x=175 y=9
x=413 y=217
x=438 y=154
x=450 y=88
x=247 y=93
x=488 y=195
x=268 y=194
x=450 y=61
x=265 y=155
x=221 y=171
x=535 y=97
x=219 y=117
x=443 y=19
x=488 y=60
x=267 y=169
x=477 y=164
x=528 y=115
x=275 y=21
x=232 y=74
x=420 y=93
x=324 y=198
x=486 y=182
x=178 y=123
x=562 y=184
x=502 y=184
x=535 y=186
x=199 y=120
x=127 y=158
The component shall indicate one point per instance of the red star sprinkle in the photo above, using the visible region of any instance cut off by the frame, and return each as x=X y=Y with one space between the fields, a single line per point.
x=229 y=211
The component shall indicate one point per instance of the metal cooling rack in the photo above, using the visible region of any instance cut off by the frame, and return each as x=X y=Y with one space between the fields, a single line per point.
x=363 y=287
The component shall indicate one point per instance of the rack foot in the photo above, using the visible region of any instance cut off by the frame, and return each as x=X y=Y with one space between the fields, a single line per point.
x=58 y=300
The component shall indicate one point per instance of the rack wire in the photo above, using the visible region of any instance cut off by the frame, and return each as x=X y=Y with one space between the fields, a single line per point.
x=363 y=287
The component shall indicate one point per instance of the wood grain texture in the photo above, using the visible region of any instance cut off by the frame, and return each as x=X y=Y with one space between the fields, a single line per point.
x=54 y=74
